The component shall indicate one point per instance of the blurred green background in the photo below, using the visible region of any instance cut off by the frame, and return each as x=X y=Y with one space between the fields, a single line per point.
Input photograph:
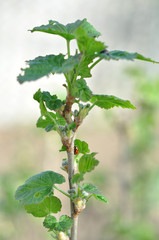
x=127 y=140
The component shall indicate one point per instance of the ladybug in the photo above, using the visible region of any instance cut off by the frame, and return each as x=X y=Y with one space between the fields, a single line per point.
x=76 y=150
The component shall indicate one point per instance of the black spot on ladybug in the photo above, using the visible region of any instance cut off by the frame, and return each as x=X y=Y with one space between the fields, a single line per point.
x=76 y=150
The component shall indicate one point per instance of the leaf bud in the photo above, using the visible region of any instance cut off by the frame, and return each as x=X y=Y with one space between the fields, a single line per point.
x=72 y=192
x=62 y=236
x=80 y=204
x=75 y=113
x=84 y=111
x=61 y=127
x=85 y=194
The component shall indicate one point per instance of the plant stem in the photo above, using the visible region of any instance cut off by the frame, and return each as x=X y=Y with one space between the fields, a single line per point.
x=74 y=228
x=68 y=48
x=71 y=170
x=92 y=66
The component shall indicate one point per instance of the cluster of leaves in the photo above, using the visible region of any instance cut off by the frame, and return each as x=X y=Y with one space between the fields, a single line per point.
x=89 y=49
x=75 y=68
x=37 y=197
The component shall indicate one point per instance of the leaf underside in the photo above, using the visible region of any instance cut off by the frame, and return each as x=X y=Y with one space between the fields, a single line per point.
x=123 y=55
x=43 y=66
x=109 y=101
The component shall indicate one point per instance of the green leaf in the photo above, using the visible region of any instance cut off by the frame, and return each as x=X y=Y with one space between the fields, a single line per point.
x=89 y=47
x=82 y=146
x=81 y=90
x=90 y=188
x=37 y=187
x=49 y=205
x=38 y=95
x=47 y=122
x=78 y=177
x=54 y=27
x=140 y=57
x=52 y=102
x=50 y=222
x=71 y=126
x=109 y=101
x=83 y=68
x=63 y=149
x=50 y=121
x=89 y=29
x=117 y=55
x=43 y=66
x=87 y=44
x=60 y=119
x=64 y=223
x=100 y=197
x=87 y=163
x=44 y=121
x=67 y=31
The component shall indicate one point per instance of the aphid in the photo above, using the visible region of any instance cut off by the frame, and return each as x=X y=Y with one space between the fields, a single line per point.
x=76 y=150
x=105 y=51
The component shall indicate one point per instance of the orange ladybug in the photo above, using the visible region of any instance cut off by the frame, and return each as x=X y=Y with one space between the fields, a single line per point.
x=76 y=150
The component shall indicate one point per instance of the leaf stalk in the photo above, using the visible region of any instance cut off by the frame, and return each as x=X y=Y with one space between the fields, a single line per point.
x=61 y=191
